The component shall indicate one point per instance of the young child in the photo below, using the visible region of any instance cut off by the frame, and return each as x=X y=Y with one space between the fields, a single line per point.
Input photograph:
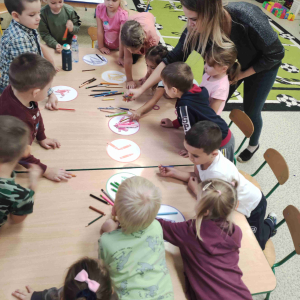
x=202 y=142
x=221 y=69
x=75 y=286
x=21 y=37
x=16 y=202
x=135 y=253
x=111 y=15
x=210 y=245
x=31 y=77
x=55 y=18
x=192 y=105
x=138 y=34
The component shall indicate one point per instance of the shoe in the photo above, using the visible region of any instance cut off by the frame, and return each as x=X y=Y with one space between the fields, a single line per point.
x=246 y=155
x=272 y=217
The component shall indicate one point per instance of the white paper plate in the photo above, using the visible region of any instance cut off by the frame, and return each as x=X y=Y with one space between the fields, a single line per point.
x=126 y=155
x=172 y=218
x=114 y=77
x=94 y=60
x=65 y=93
x=113 y=121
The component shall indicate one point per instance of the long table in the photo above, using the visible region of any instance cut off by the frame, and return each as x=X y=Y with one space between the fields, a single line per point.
x=39 y=251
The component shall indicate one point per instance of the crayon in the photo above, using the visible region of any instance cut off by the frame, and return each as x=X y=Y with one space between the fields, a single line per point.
x=167 y=213
x=105 y=202
x=97 y=210
x=94 y=221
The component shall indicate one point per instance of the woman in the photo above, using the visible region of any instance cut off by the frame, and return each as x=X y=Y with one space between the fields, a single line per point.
x=259 y=52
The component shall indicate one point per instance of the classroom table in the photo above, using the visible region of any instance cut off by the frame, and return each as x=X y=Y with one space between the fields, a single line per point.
x=84 y=3
x=39 y=251
x=84 y=134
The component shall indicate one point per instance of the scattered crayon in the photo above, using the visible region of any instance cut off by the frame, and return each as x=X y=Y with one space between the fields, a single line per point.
x=97 y=210
x=105 y=202
x=115 y=186
x=94 y=221
x=167 y=213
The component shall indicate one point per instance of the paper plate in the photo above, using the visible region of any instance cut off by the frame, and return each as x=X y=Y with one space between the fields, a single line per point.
x=94 y=60
x=123 y=150
x=65 y=93
x=112 y=122
x=172 y=218
x=113 y=77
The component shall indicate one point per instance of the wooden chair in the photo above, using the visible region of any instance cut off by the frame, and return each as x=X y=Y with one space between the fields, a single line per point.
x=3 y=10
x=244 y=123
x=291 y=216
x=92 y=31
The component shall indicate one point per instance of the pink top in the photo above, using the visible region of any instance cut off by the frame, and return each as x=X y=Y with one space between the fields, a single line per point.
x=147 y=21
x=111 y=26
x=218 y=89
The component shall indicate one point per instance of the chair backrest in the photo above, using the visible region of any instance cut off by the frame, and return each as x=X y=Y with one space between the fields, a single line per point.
x=92 y=31
x=292 y=217
x=278 y=165
x=242 y=121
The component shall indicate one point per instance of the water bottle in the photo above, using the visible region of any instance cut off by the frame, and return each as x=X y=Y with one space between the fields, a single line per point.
x=66 y=58
x=75 y=49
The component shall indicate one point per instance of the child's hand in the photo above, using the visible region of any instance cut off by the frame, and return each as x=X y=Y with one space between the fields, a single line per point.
x=104 y=50
x=35 y=172
x=193 y=184
x=135 y=93
x=166 y=171
x=55 y=174
x=143 y=80
x=130 y=84
x=184 y=153
x=50 y=143
x=121 y=61
x=166 y=123
x=52 y=102
x=109 y=225
x=135 y=115
x=23 y=295
x=70 y=26
x=58 y=48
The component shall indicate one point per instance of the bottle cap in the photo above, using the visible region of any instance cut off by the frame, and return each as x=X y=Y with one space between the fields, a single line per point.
x=74 y=37
x=66 y=47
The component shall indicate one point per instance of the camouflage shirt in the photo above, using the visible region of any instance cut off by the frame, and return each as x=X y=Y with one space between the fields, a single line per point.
x=14 y=199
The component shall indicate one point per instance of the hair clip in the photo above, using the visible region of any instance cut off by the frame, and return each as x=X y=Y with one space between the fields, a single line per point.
x=220 y=193
x=82 y=276
x=206 y=186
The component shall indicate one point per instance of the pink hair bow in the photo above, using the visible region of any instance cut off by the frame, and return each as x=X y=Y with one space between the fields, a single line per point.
x=83 y=276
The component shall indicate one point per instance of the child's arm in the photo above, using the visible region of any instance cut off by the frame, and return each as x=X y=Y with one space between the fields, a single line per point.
x=130 y=84
x=215 y=104
x=74 y=18
x=109 y=226
x=121 y=50
x=30 y=294
x=48 y=56
x=45 y=34
x=100 y=37
x=175 y=173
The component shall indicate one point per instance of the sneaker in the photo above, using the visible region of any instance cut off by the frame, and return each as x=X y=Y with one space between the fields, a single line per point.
x=246 y=155
x=273 y=218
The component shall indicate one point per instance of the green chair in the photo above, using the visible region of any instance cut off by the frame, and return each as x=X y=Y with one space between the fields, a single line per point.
x=291 y=216
x=244 y=123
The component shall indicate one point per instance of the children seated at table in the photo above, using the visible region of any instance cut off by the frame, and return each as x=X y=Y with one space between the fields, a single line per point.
x=31 y=77
x=202 y=142
x=110 y=16
x=138 y=34
x=209 y=244
x=135 y=252
x=21 y=37
x=55 y=18
x=87 y=278
x=192 y=105
x=16 y=202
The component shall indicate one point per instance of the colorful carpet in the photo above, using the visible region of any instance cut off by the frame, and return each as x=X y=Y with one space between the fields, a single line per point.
x=285 y=94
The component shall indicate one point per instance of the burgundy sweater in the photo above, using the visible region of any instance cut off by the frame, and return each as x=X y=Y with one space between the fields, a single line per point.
x=211 y=267
x=10 y=105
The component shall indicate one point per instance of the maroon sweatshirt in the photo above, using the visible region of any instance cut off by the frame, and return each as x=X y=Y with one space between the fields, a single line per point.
x=10 y=105
x=211 y=267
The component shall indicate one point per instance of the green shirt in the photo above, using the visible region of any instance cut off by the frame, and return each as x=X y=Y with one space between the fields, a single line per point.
x=14 y=199
x=52 y=27
x=137 y=263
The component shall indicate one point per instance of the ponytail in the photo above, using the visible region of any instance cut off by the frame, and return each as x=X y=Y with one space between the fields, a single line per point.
x=234 y=72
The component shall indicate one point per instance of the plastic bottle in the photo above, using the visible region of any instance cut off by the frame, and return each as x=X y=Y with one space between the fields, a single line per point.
x=66 y=58
x=75 y=49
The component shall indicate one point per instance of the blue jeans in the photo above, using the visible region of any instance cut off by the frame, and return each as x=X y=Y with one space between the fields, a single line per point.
x=256 y=90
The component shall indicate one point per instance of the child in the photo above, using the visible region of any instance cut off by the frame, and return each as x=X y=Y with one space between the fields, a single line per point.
x=138 y=34
x=111 y=15
x=192 y=105
x=202 y=142
x=21 y=37
x=16 y=202
x=55 y=18
x=210 y=245
x=31 y=77
x=99 y=284
x=221 y=67
x=135 y=253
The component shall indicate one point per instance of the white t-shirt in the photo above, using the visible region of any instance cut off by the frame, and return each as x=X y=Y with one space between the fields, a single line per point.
x=249 y=195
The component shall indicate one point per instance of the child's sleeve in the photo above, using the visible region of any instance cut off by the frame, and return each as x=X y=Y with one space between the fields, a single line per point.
x=40 y=136
x=23 y=204
x=26 y=161
x=76 y=21
x=45 y=33
x=123 y=16
x=51 y=294
x=185 y=118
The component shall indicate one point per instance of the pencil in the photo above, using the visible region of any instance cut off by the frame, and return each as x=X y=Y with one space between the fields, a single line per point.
x=101 y=90
x=106 y=199
x=107 y=195
x=167 y=213
x=73 y=175
x=100 y=57
x=118 y=114
x=89 y=80
x=88 y=70
x=114 y=190
x=108 y=99
x=105 y=202
x=66 y=109
x=115 y=186
x=97 y=210
x=65 y=35
x=94 y=221
x=108 y=83
x=118 y=184
x=98 y=85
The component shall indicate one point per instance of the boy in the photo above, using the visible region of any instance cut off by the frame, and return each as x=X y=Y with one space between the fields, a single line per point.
x=30 y=77
x=192 y=105
x=202 y=142
x=20 y=37
x=55 y=18
x=16 y=202
x=135 y=252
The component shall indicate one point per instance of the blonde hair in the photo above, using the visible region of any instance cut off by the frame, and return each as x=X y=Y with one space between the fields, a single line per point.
x=211 y=17
x=137 y=203
x=219 y=199
x=132 y=34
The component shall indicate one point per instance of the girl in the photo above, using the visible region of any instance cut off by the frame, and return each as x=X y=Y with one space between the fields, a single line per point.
x=259 y=52
x=138 y=34
x=210 y=245
x=111 y=15
x=221 y=67
x=87 y=279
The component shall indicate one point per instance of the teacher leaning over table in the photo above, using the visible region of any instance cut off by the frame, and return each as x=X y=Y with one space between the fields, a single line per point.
x=259 y=52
